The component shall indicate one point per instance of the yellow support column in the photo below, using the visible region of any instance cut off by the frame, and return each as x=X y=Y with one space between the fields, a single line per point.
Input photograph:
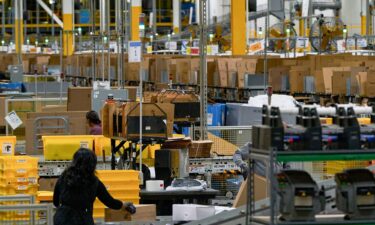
x=238 y=25
x=18 y=26
x=135 y=13
x=68 y=36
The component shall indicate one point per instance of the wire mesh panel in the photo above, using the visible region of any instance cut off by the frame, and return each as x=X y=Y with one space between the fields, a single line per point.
x=226 y=140
x=227 y=184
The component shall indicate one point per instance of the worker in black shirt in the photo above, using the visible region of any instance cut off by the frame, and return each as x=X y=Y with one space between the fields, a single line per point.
x=77 y=189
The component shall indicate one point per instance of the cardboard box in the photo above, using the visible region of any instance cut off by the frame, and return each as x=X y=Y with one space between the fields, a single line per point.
x=242 y=71
x=47 y=184
x=190 y=212
x=132 y=71
x=261 y=190
x=367 y=83
x=275 y=77
x=232 y=72
x=54 y=108
x=222 y=71
x=183 y=71
x=79 y=99
x=296 y=80
x=327 y=77
x=144 y=213
x=194 y=71
x=132 y=109
x=340 y=82
x=319 y=81
x=132 y=93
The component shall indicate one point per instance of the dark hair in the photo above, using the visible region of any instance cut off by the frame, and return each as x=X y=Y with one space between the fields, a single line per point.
x=82 y=170
x=93 y=117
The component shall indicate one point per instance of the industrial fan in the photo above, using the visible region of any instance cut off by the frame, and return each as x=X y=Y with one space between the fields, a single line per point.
x=278 y=34
x=324 y=32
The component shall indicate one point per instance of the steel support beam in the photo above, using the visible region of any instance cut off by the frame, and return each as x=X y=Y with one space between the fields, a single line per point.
x=176 y=16
x=238 y=24
x=68 y=34
x=18 y=28
x=136 y=10
x=50 y=13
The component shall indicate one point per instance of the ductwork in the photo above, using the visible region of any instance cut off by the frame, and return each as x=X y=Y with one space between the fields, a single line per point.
x=319 y=5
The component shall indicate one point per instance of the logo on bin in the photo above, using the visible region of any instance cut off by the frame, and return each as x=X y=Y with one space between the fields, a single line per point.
x=84 y=144
x=7 y=149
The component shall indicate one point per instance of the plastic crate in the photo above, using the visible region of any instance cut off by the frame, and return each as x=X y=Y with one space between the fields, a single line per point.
x=117 y=175
x=102 y=143
x=18 y=162
x=19 y=181
x=44 y=196
x=18 y=189
x=64 y=147
x=333 y=167
x=8 y=174
x=7 y=145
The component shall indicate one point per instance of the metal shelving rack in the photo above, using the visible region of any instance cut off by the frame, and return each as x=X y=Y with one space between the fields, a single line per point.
x=272 y=157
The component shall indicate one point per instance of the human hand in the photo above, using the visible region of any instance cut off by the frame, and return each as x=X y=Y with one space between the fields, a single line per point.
x=128 y=206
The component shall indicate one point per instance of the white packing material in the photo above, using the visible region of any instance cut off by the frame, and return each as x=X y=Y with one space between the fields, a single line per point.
x=281 y=101
x=191 y=212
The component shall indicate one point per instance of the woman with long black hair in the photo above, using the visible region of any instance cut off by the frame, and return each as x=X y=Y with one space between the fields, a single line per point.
x=77 y=189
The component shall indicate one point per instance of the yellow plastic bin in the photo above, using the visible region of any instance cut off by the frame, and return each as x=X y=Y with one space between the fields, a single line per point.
x=18 y=162
x=19 y=189
x=102 y=143
x=7 y=145
x=64 y=147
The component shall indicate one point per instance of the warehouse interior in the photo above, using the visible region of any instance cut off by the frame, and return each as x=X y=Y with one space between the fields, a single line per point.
x=198 y=112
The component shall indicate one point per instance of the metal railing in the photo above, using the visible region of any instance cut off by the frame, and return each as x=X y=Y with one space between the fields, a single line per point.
x=21 y=209
x=33 y=100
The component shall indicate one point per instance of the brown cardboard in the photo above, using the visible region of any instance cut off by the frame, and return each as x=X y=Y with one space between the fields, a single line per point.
x=339 y=82
x=194 y=71
x=367 y=83
x=211 y=71
x=47 y=184
x=132 y=93
x=275 y=77
x=327 y=77
x=79 y=99
x=148 y=109
x=54 y=108
x=296 y=80
x=232 y=72
x=242 y=69
x=222 y=71
x=183 y=71
x=260 y=190
x=144 y=213
x=319 y=81
x=132 y=71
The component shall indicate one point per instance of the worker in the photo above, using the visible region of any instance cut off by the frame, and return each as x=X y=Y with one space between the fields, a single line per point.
x=241 y=157
x=77 y=189
x=94 y=123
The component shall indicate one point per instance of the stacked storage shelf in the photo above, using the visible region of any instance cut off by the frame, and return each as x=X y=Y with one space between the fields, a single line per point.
x=121 y=184
x=18 y=176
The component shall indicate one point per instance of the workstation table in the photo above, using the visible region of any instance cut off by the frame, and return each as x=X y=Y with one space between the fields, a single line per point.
x=164 y=200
